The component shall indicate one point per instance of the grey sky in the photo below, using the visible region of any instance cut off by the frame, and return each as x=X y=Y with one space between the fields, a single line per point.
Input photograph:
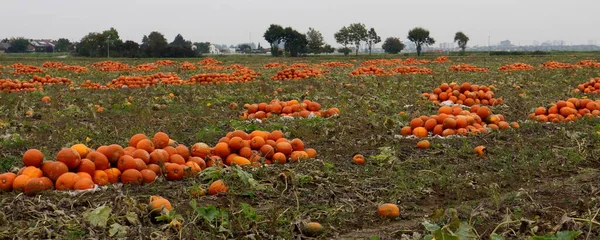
x=233 y=21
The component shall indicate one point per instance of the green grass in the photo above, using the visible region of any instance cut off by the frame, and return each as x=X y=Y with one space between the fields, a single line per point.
x=539 y=172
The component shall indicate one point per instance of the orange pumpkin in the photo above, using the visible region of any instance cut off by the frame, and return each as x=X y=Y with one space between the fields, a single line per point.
x=69 y=157
x=36 y=185
x=6 y=181
x=33 y=157
x=217 y=187
x=359 y=159
x=132 y=176
x=388 y=210
x=174 y=172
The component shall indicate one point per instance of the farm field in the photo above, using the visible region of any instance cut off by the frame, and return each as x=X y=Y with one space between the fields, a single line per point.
x=538 y=175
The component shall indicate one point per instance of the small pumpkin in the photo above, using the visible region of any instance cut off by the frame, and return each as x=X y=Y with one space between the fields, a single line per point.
x=33 y=157
x=69 y=157
x=359 y=159
x=158 y=203
x=217 y=187
x=53 y=170
x=83 y=184
x=423 y=144
x=388 y=210
x=132 y=176
x=313 y=229
x=174 y=172
x=67 y=181
x=34 y=186
x=480 y=150
x=6 y=181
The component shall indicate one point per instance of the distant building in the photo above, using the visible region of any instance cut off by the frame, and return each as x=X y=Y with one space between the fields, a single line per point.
x=4 y=47
x=42 y=45
x=212 y=49
x=446 y=45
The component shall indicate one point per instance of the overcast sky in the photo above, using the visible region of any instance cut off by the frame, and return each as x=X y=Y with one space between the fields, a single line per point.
x=238 y=21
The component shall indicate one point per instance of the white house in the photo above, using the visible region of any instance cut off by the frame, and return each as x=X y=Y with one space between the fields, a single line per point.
x=213 y=50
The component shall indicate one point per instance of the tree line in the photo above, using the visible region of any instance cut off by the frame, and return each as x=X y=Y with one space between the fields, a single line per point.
x=283 y=41
x=355 y=34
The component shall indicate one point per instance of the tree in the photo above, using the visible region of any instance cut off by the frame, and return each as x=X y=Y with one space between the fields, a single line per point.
x=345 y=50
x=245 y=48
x=342 y=37
x=274 y=35
x=178 y=41
x=18 y=45
x=315 y=41
x=97 y=44
x=358 y=33
x=295 y=42
x=462 y=40
x=392 y=45
x=62 y=45
x=420 y=36
x=372 y=39
x=157 y=44
x=328 y=49
x=130 y=49
x=202 y=47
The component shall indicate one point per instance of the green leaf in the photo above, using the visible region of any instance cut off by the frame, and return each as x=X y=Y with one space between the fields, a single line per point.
x=439 y=235
x=209 y=213
x=132 y=218
x=99 y=216
x=465 y=231
x=432 y=227
x=117 y=230
x=496 y=237
x=567 y=235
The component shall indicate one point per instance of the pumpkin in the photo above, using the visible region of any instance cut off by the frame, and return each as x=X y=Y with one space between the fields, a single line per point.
x=359 y=159
x=174 y=172
x=200 y=150
x=284 y=147
x=297 y=155
x=113 y=152
x=132 y=176
x=157 y=204
x=133 y=141
x=87 y=166
x=313 y=229
x=36 y=185
x=423 y=144
x=141 y=154
x=239 y=160
x=217 y=187
x=53 y=170
x=33 y=157
x=6 y=181
x=113 y=175
x=388 y=210
x=83 y=184
x=84 y=175
x=155 y=168
x=126 y=162
x=19 y=182
x=177 y=159
x=222 y=150
x=81 y=149
x=67 y=181
x=32 y=172
x=69 y=157
x=100 y=177
x=420 y=132
x=160 y=140
x=148 y=176
x=100 y=160
x=480 y=150
x=312 y=153
x=146 y=145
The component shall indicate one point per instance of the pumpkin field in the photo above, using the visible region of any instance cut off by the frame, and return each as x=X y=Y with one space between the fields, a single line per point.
x=323 y=147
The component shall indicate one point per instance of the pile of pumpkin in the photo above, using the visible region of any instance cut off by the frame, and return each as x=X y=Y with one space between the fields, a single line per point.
x=465 y=94
x=274 y=65
x=292 y=108
x=369 y=71
x=294 y=73
x=467 y=68
x=210 y=61
x=240 y=75
x=52 y=65
x=382 y=62
x=145 y=81
x=188 y=66
x=441 y=59
x=592 y=86
x=412 y=61
x=74 y=68
x=241 y=148
x=457 y=121
x=516 y=67
x=336 y=64
x=110 y=66
x=80 y=168
x=25 y=69
x=559 y=65
x=589 y=63
x=164 y=62
x=145 y=67
x=566 y=111
x=411 y=70
x=36 y=83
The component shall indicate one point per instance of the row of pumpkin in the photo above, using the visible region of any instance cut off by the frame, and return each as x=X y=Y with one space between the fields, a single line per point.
x=145 y=159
